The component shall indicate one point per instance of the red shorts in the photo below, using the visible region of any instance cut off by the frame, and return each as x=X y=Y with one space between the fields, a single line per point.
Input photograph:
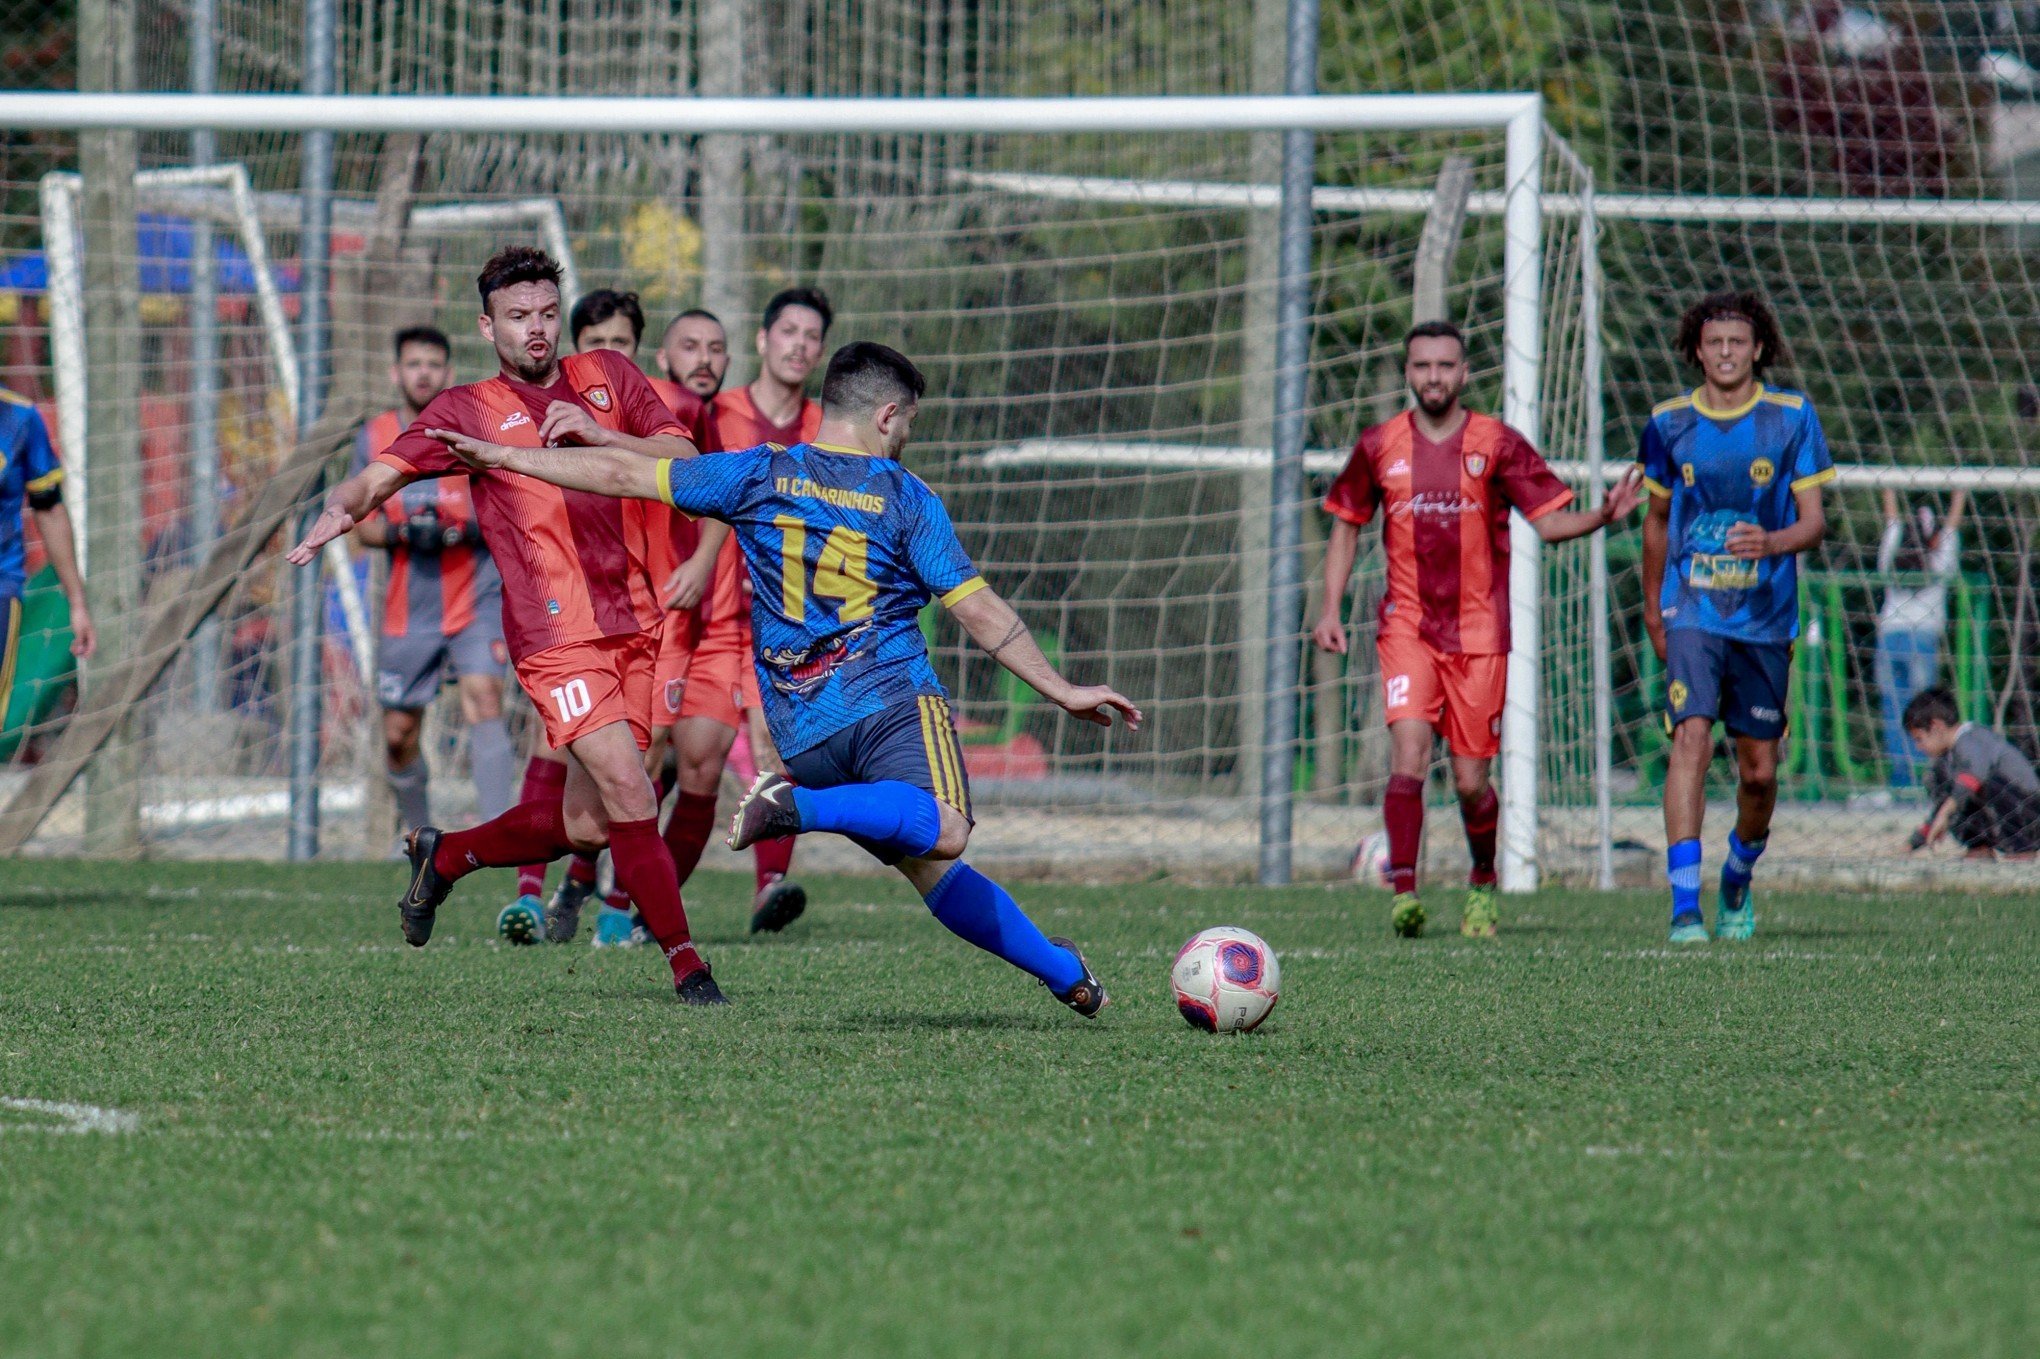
x=679 y=633
x=1460 y=696
x=584 y=686
x=721 y=679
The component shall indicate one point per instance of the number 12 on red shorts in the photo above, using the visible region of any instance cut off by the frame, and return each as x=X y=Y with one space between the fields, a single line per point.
x=1456 y=694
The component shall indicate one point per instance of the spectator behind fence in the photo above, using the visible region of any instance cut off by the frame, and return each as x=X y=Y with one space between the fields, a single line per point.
x=1913 y=617
x=1984 y=790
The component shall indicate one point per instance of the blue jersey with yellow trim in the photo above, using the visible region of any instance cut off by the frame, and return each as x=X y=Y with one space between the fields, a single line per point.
x=1723 y=468
x=843 y=550
x=28 y=472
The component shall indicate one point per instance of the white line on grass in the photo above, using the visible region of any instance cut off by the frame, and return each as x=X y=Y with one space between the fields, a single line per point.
x=80 y=1118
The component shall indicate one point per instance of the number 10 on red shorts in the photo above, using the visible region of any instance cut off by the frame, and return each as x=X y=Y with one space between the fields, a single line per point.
x=584 y=686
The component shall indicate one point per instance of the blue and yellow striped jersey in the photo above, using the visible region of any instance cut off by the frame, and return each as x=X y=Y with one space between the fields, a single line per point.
x=843 y=550
x=1722 y=468
x=28 y=469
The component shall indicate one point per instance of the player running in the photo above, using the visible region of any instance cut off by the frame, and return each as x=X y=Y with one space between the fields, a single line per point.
x=1446 y=478
x=844 y=546
x=1734 y=470
x=580 y=608
x=30 y=476
x=442 y=606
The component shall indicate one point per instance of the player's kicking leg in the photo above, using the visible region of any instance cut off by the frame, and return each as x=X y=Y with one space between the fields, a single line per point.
x=894 y=783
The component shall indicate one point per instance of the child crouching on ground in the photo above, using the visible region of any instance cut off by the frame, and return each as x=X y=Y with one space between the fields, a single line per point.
x=1984 y=790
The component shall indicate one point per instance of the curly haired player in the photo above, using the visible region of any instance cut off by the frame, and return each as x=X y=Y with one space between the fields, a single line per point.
x=1734 y=470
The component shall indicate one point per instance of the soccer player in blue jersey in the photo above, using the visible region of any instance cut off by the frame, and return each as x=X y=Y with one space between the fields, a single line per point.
x=30 y=475
x=1735 y=470
x=844 y=546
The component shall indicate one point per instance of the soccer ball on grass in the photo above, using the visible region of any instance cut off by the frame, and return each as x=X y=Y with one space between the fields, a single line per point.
x=1226 y=980
x=1370 y=860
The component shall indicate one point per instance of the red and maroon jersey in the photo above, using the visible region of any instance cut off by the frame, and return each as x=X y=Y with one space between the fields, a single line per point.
x=682 y=534
x=441 y=592
x=575 y=565
x=1445 y=533
x=739 y=424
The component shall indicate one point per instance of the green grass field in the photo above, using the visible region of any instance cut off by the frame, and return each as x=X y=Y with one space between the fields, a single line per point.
x=1569 y=1143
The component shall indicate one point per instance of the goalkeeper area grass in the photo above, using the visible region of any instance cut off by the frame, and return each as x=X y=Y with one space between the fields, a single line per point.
x=302 y=1138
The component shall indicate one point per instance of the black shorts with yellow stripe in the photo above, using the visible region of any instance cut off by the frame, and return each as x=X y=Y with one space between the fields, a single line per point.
x=913 y=741
x=10 y=648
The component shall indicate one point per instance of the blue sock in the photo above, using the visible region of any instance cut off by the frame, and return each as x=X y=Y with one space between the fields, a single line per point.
x=977 y=910
x=896 y=815
x=1682 y=870
x=1742 y=860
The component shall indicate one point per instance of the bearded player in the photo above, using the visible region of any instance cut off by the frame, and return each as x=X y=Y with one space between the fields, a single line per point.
x=1444 y=479
x=844 y=547
x=580 y=607
x=1734 y=470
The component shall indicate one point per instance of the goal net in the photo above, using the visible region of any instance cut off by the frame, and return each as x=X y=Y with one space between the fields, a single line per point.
x=1095 y=313
x=1098 y=342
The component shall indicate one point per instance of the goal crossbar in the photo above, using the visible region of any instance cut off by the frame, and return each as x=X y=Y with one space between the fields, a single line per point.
x=59 y=111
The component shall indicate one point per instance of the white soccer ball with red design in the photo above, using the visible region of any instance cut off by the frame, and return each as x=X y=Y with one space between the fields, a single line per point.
x=1226 y=980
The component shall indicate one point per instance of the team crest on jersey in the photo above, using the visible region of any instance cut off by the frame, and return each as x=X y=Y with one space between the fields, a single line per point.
x=1476 y=463
x=1762 y=470
x=1677 y=694
x=598 y=397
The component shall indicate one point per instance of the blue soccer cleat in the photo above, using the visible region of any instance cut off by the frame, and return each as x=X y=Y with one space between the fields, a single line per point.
x=1737 y=916
x=612 y=928
x=1688 y=929
x=522 y=921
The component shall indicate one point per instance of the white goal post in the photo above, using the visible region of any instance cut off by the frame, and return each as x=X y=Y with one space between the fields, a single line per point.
x=1519 y=116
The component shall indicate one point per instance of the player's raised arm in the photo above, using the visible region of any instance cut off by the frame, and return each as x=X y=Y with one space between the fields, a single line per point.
x=346 y=505
x=994 y=626
x=625 y=474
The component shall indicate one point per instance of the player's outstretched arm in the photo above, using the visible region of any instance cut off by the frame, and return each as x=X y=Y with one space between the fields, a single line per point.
x=625 y=474
x=994 y=626
x=346 y=505
x=1621 y=502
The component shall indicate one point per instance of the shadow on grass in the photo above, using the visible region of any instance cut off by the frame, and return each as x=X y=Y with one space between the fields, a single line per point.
x=893 y=1023
x=62 y=900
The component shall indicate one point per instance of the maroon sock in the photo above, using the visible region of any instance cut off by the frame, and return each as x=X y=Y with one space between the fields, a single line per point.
x=616 y=899
x=512 y=838
x=581 y=869
x=544 y=781
x=1480 y=819
x=773 y=859
x=1402 y=814
x=688 y=829
x=644 y=868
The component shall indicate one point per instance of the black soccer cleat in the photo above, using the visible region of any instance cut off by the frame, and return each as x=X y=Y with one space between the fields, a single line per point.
x=1087 y=996
x=699 y=988
x=419 y=905
x=563 y=912
x=777 y=907
x=766 y=813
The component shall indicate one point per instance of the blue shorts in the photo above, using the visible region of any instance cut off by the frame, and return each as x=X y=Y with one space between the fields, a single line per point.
x=1743 y=684
x=913 y=741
